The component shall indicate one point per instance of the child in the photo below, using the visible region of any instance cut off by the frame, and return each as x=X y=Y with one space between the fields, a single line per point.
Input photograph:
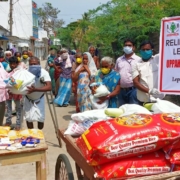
x=13 y=63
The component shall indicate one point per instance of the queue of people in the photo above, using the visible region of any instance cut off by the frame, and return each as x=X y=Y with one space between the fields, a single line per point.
x=31 y=106
x=131 y=80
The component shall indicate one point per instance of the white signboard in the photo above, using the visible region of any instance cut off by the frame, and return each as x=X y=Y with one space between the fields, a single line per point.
x=169 y=74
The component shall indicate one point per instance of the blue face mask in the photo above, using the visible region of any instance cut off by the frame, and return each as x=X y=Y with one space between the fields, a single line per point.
x=146 y=55
x=36 y=70
x=127 y=50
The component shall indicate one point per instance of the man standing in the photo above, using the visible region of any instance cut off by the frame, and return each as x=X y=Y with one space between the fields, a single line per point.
x=92 y=50
x=124 y=67
x=145 y=74
x=34 y=105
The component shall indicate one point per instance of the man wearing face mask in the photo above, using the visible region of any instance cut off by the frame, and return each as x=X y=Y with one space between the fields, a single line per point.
x=34 y=103
x=124 y=65
x=65 y=82
x=145 y=74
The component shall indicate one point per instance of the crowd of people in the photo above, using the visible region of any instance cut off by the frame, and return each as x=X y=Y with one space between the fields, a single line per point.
x=130 y=80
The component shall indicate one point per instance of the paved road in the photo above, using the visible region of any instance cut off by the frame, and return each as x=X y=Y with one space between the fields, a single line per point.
x=27 y=171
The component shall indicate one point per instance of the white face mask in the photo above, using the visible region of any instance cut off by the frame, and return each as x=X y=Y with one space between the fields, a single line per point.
x=64 y=55
x=128 y=50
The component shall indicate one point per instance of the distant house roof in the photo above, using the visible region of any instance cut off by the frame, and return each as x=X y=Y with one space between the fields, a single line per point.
x=1 y=27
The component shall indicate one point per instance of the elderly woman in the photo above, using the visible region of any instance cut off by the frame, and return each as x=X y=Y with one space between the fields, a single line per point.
x=65 y=82
x=5 y=63
x=111 y=79
x=25 y=58
x=83 y=74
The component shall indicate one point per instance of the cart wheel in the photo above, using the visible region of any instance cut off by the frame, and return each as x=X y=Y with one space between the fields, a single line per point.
x=63 y=169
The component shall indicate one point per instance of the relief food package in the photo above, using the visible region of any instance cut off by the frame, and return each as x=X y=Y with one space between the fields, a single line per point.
x=36 y=133
x=143 y=165
x=174 y=156
x=127 y=136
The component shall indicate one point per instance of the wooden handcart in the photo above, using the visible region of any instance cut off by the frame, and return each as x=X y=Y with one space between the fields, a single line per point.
x=63 y=169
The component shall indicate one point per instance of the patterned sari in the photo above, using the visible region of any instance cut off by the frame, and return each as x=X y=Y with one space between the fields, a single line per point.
x=83 y=89
x=111 y=80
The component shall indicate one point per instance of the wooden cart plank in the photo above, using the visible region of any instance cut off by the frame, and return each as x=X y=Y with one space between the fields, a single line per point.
x=75 y=153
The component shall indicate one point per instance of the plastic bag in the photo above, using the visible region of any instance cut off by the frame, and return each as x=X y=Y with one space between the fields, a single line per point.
x=129 y=109
x=95 y=105
x=26 y=78
x=36 y=133
x=89 y=115
x=149 y=164
x=163 y=106
x=101 y=91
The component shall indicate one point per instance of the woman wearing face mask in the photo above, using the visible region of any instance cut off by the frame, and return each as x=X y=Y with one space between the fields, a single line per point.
x=25 y=58
x=76 y=64
x=7 y=55
x=111 y=79
x=50 y=61
x=145 y=74
x=20 y=63
x=83 y=74
x=65 y=82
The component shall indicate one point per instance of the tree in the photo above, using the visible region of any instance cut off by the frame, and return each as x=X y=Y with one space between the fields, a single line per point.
x=48 y=18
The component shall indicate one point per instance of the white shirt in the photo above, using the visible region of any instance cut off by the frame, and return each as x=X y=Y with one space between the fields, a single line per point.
x=148 y=73
x=37 y=95
x=124 y=67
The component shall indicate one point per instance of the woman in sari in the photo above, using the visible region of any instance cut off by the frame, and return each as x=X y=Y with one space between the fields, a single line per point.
x=111 y=79
x=65 y=81
x=51 y=70
x=85 y=71
x=75 y=65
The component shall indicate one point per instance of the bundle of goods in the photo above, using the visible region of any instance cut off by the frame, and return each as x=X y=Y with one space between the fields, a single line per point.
x=107 y=144
x=100 y=91
x=18 y=82
x=82 y=121
x=162 y=106
x=12 y=140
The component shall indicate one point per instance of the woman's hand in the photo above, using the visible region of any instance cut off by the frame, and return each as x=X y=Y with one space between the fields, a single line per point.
x=102 y=99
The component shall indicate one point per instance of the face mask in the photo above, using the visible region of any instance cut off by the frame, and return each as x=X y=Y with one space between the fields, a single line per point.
x=127 y=50
x=36 y=70
x=64 y=55
x=105 y=70
x=79 y=60
x=18 y=58
x=25 y=56
x=146 y=55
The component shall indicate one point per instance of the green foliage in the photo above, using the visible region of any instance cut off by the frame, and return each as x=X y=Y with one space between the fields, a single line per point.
x=109 y=24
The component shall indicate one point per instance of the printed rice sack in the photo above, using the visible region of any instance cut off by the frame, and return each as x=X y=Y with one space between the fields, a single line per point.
x=127 y=136
x=149 y=164
x=174 y=156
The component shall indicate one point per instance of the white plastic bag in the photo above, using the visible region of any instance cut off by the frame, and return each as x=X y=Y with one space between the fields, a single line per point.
x=89 y=115
x=101 y=91
x=133 y=109
x=95 y=105
x=163 y=106
x=27 y=78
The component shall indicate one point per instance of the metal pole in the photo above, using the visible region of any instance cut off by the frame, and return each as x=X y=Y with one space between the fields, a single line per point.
x=11 y=16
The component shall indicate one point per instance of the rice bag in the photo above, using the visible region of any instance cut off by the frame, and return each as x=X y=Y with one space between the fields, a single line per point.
x=143 y=165
x=127 y=136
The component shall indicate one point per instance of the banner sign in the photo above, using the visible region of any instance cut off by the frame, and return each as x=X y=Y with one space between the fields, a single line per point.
x=169 y=74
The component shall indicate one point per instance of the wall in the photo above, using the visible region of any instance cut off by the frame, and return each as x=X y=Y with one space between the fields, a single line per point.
x=22 y=17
